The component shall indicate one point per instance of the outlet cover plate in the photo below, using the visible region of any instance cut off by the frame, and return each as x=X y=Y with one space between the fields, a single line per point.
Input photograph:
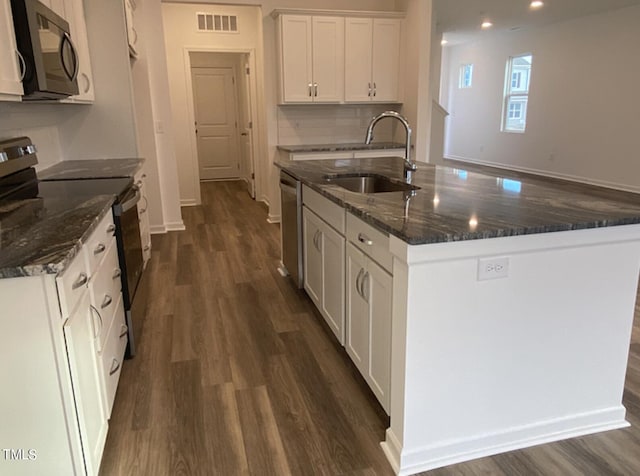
x=493 y=268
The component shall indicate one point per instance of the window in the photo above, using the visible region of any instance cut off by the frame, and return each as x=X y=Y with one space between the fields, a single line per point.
x=466 y=76
x=516 y=93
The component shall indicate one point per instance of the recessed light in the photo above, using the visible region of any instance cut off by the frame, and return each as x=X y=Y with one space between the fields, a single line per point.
x=536 y=4
x=444 y=42
x=486 y=24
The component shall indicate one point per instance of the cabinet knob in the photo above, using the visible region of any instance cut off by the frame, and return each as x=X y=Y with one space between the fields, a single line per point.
x=99 y=249
x=364 y=239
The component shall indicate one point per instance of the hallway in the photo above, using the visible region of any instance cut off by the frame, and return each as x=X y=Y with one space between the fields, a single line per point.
x=236 y=373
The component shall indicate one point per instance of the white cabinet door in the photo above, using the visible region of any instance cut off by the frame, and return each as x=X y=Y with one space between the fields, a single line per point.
x=386 y=52
x=328 y=59
x=132 y=34
x=357 y=318
x=358 y=59
x=368 y=321
x=332 y=245
x=312 y=256
x=10 y=70
x=85 y=376
x=377 y=288
x=372 y=51
x=58 y=6
x=74 y=10
x=324 y=270
x=296 y=59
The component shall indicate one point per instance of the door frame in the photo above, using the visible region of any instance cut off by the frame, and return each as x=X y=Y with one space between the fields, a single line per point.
x=257 y=128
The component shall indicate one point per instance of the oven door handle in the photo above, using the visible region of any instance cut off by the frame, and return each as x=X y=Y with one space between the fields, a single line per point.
x=129 y=204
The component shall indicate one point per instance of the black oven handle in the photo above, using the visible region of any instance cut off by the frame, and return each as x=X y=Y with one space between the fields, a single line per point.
x=128 y=203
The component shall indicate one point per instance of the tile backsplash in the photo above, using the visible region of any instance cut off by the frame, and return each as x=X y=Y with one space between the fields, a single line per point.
x=330 y=124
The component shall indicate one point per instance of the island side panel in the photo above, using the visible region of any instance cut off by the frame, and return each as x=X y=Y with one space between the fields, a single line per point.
x=495 y=365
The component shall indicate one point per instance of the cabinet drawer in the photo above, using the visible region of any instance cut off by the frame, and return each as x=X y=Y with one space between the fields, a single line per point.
x=333 y=214
x=72 y=283
x=105 y=287
x=113 y=355
x=373 y=242
x=97 y=245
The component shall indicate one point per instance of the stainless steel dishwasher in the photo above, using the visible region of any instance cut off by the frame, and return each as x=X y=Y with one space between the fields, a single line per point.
x=291 y=226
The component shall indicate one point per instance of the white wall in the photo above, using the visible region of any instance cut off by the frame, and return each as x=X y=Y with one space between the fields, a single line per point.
x=154 y=119
x=266 y=174
x=583 y=121
x=416 y=43
x=181 y=36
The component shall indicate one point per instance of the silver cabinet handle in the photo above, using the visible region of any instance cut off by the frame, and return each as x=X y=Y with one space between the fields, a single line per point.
x=123 y=331
x=99 y=249
x=98 y=330
x=115 y=365
x=360 y=273
x=87 y=82
x=315 y=89
x=111 y=228
x=22 y=64
x=316 y=239
x=81 y=281
x=146 y=205
x=106 y=301
x=369 y=89
x=310 y=86
x=146 y=248
x=364 y=239
x=117 y=273
x=375 y=88
x=365 y=287
x=139 y=184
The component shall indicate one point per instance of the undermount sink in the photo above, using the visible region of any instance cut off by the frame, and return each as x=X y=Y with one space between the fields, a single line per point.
x=369 y=183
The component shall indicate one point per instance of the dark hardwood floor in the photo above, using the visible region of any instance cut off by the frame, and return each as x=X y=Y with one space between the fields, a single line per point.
x=236 y=374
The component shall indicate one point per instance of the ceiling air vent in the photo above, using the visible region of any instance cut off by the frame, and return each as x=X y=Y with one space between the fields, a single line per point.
x=211 y=22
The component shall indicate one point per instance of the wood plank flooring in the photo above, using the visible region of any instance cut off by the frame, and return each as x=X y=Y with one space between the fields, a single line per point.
x=237 y=375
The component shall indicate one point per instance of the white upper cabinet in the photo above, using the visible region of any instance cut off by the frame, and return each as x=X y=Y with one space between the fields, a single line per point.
x=372 y=52
x=74 y=14
x=10 y=63
x=311 y=53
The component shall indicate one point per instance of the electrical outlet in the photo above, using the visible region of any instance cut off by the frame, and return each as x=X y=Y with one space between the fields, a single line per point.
x=493 y=268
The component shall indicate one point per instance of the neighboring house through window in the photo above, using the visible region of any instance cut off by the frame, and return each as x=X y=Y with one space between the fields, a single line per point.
x=516 y=94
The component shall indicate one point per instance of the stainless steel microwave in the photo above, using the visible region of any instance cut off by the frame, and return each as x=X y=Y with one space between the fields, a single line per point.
x=49 y=60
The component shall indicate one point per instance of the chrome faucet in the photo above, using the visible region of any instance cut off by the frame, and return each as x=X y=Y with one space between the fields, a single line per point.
x=409 y=165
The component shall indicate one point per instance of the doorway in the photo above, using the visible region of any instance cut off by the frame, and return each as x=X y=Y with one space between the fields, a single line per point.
x=223 y=116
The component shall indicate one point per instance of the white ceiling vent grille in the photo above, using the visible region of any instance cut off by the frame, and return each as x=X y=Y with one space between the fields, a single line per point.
x=213 y=22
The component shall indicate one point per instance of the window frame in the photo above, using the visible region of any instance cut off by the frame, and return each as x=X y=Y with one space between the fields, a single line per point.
x=517 y=93
x=462 y=76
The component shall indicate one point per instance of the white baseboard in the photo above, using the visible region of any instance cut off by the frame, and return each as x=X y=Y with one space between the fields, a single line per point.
x=188 y=202
x=157 y=229
x=411 y=461
x=546 y=173
x=175 y=226
x=273 y=218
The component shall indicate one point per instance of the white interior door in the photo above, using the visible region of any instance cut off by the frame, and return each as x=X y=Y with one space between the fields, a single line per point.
x=215 y=107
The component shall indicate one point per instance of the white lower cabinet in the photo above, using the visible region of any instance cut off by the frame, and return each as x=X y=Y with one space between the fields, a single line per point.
x=323 y=255
x=63 y=338
x=85 y=377
x=368 y=321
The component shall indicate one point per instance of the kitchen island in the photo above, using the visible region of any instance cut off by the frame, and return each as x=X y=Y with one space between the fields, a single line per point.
x=511 y=313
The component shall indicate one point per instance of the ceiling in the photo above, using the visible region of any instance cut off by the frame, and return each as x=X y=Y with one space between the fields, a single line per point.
x=460 y=20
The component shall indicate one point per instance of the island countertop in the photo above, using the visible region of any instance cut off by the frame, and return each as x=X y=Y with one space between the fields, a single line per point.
x=454 y=204
x=353 y=146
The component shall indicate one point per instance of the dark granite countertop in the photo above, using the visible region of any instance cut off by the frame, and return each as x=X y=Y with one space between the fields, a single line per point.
x=455 y=204
x=340 y=147
x=42 y=227
x=90 y=169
